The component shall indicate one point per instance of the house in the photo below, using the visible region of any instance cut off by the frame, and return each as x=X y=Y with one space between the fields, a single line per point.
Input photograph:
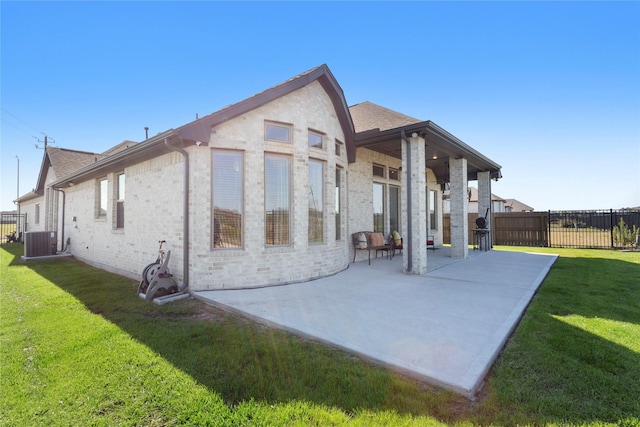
x=265 y=191
x=498 y=204
x=513 y=205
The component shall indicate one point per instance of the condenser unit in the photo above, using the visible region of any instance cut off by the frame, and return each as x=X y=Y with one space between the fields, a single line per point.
x=40 y=243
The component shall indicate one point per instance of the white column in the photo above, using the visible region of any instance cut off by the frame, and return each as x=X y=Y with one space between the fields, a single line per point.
x=414 y=206
x=484 y=203
x=459 y=208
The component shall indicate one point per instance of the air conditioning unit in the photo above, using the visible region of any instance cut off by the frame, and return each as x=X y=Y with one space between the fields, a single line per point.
x=40 y=243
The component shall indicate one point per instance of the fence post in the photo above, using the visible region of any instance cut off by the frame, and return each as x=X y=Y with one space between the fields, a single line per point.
x=549 y=228
x=611 y=226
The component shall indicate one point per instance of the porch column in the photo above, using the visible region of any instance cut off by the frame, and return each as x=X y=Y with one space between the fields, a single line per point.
x=414 y=205
x=459 y=208
x=484 y=202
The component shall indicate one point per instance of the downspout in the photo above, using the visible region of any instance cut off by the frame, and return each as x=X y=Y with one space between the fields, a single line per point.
x=409 y=210
x=64 y=206
x=185 y=215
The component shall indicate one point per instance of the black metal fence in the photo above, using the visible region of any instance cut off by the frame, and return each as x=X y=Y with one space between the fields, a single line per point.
x=601 y=229
x=11 y=223
x=594 y=229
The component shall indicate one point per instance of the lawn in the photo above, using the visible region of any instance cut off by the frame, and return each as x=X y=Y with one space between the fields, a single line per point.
x=77 y=347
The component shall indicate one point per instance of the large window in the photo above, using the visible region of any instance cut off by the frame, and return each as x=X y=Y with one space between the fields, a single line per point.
x=277 y=132
x=315 y=199
x=338 y=204
x=103 y=198
x=228 y=195
x=378 y=207
x=394 y=208
x=277 y=199
x=120 y=202
x=433 y=209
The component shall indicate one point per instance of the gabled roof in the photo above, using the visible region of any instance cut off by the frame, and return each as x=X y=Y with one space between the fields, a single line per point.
x=120 y=147
x=381 y=130
x=367 y=116
x=472 y=194
x=517 y=206
x=199 y=131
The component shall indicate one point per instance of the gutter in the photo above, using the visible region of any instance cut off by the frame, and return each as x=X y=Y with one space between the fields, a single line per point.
x=185 y=216
x=409 y=203
x=64 y=207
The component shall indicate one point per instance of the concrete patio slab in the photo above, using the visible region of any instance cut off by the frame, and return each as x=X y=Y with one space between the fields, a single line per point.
x=447 y=326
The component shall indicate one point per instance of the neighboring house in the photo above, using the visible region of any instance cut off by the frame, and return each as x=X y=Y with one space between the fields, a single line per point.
x=265 y=191
x=513 y=205
x=498 y=204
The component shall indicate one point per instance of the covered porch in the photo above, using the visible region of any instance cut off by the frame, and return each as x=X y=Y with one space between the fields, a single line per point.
x=422 y=146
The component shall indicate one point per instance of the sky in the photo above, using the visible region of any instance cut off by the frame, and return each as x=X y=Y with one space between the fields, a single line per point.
x=548 y=90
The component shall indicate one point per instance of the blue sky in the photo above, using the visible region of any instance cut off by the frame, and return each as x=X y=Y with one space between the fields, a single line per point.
x=549 y=90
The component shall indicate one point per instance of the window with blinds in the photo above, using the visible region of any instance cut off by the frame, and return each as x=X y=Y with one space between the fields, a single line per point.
x=277 y=199
x=102 y=198
x=228 y=196
x=120 y=202
x=316 y=202
x=378 y=207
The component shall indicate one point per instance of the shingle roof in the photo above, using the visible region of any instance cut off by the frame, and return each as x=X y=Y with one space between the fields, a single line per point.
x=517 y=206
x=120 y=147
x=367 y=116
x=65 y=161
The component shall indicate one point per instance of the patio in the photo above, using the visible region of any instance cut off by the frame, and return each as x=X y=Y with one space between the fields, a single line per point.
x=446 y=327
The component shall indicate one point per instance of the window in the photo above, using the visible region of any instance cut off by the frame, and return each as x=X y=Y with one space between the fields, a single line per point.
x=228 y=195
x=338 y=148
x=103 y=197
x=316 y=206
x=277 y=132
x=378 y=170
x=277 y=199
x=394 y=208
x=394 y=174
x=433 y=209
x=315 y=140
x=120 y=202
x=338 y=204
x=378 y=207
x=37 y=215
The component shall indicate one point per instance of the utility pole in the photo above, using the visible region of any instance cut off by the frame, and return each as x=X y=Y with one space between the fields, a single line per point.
x=18 y=222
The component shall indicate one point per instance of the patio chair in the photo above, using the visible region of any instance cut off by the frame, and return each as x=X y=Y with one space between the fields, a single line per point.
x=395 y=240
x=431 y=243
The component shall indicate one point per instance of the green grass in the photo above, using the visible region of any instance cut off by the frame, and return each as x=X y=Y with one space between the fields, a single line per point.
x=78 y=347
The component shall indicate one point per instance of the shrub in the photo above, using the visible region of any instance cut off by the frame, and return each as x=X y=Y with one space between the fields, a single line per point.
x=623 y=235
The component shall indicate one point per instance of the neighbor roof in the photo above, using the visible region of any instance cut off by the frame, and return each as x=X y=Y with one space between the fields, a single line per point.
x=517 y=206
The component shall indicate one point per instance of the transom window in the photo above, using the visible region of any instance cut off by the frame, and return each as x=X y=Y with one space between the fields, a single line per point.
x=277 y=132
x=378 y=170
x=394 y=174
x=315 y=140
